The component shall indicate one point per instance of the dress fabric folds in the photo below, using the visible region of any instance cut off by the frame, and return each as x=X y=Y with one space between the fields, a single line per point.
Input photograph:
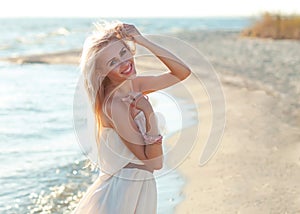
x=119 y=190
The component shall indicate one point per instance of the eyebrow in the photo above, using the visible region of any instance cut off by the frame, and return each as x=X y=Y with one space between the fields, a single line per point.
x=115 y=57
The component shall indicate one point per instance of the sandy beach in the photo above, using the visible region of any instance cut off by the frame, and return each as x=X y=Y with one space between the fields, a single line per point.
x=257 y=166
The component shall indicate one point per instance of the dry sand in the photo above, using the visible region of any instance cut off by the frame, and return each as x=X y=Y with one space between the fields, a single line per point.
x=257 y=166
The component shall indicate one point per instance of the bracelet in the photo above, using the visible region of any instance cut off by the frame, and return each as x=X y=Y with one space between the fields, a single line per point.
x=152 y=139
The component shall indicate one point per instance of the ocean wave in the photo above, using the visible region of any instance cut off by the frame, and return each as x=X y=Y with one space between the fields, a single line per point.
x=59 y=191
x=60 y=31
x=63 y=194
x=26 y=108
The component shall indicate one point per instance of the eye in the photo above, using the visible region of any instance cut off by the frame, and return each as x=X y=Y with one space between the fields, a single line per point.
x=112 y=62
x=123 y=51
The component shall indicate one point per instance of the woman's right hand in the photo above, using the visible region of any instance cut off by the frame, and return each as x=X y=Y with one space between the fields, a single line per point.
x=143 y=104
x=132 y=33
x=138 y=101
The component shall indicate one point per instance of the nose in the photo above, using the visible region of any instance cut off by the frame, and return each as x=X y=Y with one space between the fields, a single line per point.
x=124 y=64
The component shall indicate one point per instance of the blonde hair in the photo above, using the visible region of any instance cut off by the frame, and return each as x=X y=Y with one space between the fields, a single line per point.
x=95 y=81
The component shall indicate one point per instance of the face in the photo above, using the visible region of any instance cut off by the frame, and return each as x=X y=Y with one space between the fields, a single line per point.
x=116 y=62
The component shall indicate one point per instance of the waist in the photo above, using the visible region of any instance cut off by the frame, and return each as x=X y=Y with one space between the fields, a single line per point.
x=138 y=166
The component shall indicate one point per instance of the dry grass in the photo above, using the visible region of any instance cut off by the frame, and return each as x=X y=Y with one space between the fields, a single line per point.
x=275 y=26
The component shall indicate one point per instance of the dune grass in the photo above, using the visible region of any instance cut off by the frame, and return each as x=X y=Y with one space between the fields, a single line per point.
x=275 y=26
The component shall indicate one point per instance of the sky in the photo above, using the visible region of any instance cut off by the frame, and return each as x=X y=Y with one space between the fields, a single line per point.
x=140 y=8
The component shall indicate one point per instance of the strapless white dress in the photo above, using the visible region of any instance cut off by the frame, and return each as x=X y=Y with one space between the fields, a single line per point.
x=119 y=190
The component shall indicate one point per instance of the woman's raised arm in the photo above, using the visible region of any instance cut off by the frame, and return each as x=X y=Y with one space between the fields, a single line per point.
x=178 y=69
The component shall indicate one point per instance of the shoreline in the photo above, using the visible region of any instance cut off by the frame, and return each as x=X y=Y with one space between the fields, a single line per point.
x=63 y=57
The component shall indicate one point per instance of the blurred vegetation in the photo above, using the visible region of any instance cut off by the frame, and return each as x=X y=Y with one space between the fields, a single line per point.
x=275 y=26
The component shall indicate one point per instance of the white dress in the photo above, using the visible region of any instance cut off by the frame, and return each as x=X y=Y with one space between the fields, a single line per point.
x=119 y=190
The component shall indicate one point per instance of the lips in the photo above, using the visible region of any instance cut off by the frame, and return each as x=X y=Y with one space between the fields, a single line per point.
x=128 y=69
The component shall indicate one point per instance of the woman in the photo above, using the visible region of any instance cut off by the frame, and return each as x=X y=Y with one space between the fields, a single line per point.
x=130 y=145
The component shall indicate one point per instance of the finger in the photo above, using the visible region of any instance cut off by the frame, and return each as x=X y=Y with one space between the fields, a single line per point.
x=127 y=25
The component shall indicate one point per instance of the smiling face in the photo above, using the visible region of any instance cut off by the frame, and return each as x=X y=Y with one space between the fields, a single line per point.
x=116 y=62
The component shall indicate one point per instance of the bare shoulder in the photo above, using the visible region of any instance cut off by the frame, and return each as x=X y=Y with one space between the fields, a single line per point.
x=116 y=106
x=112 y=109
x=120 y=117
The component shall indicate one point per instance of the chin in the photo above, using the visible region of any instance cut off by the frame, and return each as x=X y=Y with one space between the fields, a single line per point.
x=131 y=76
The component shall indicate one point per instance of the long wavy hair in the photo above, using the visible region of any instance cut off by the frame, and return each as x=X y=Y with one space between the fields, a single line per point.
x=95 y=80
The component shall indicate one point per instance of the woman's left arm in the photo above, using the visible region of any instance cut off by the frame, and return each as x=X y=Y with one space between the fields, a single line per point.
x=178 y=69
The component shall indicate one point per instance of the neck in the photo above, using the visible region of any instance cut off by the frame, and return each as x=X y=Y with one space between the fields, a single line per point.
x=122 y=88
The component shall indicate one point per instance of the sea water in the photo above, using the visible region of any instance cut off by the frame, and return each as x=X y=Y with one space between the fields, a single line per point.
x=42 y=166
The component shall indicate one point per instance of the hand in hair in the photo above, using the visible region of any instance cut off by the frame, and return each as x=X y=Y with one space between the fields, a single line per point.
x=131 y=32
